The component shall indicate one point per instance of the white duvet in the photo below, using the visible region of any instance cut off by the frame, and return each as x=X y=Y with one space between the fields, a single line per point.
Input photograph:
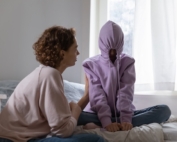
x=145 y=133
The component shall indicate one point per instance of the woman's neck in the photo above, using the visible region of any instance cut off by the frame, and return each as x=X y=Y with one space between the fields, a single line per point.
x=61 y=68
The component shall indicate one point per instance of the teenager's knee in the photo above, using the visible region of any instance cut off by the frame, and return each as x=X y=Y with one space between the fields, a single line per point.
x=166 y=111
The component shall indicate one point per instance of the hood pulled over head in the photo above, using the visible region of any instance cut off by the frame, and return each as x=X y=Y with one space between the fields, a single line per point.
x=111 y=37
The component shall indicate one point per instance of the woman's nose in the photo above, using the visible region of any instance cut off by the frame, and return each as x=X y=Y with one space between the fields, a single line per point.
x=78 y=52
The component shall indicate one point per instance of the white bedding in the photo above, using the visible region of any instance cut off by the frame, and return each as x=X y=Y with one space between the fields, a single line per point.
x=146 y=133
x=170 y=131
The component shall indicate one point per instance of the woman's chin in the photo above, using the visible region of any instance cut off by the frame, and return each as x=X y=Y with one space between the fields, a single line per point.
x=71 y=64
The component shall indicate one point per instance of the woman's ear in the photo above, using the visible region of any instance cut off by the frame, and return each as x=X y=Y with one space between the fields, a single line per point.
x=62 y=53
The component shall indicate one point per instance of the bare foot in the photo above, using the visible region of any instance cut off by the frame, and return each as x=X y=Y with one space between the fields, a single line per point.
x=90 y=126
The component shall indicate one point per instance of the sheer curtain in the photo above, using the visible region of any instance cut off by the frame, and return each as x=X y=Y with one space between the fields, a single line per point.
x=155 y=44
x=150 y=29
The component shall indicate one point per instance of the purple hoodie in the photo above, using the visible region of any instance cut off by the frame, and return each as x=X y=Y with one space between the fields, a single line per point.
x=111 y=85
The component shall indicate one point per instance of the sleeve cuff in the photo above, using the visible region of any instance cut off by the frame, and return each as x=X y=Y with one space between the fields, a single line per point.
x=126 y=119
x=74 y=121
x=105 y=121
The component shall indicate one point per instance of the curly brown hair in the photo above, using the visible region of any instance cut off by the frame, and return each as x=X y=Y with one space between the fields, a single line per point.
x=47 y=48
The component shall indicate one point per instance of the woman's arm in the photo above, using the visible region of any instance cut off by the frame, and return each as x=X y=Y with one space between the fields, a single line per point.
x=54 y=106
x=85 y=99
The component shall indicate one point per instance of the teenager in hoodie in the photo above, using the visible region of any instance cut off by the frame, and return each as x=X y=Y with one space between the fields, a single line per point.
x=111 y=87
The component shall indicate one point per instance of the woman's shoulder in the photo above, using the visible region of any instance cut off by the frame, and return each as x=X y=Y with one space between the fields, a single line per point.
x=47 y=72
x=48 y=69
x=41 y=73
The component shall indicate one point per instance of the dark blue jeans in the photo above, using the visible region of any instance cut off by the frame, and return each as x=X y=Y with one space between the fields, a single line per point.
x=74 y=138
x=155 y=114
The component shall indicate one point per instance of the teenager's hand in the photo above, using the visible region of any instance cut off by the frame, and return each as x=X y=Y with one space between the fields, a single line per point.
x=126 y=126
x=113 y=127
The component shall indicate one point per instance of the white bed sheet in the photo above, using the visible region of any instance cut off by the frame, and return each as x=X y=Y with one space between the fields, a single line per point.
x=145 y=133
x=170 y=131
x=166 y=132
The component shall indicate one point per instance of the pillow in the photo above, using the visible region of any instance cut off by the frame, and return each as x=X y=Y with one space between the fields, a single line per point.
x=7 y=87
x=73 y=91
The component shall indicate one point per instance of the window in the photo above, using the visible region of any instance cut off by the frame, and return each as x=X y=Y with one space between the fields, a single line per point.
x=149 y=37
x=122 y=13
x=119 y=11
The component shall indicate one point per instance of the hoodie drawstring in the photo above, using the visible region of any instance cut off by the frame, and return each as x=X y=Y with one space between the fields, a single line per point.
x=118 y=81
x=113 y=96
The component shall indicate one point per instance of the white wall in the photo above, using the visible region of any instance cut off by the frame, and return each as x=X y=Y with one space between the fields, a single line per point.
x=98 y=17
x=22 y=22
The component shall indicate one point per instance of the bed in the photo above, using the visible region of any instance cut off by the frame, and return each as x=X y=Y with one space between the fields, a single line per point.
x=166 y=132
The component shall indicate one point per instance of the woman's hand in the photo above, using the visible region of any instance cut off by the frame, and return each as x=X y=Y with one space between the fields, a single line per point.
x=113 y=127
x=85 y=99
x=74 y=106
x=75 y=110
x=126 y=126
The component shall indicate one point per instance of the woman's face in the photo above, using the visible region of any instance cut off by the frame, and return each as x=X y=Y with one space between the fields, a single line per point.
x=70 y=56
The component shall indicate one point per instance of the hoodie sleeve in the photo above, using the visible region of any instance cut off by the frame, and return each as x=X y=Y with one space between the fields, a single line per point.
x=126 y=92
x=98 y=101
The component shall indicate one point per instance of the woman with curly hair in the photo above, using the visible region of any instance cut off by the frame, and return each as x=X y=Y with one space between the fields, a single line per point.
x=37 y=110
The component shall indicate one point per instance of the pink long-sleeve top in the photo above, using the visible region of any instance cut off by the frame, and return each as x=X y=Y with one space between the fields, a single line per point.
x=37 y=107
